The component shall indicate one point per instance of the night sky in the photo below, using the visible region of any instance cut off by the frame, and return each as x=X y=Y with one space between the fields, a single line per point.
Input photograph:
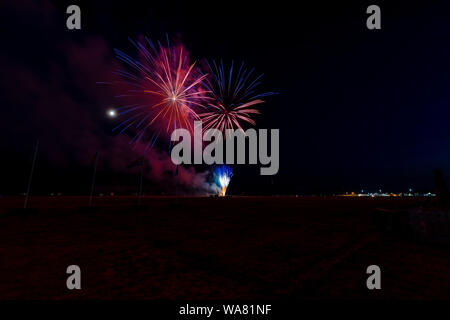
x=357 y=108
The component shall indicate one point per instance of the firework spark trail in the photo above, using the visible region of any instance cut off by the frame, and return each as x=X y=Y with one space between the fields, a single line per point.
x=168 y=89
x=222 y=175
x=235 y=97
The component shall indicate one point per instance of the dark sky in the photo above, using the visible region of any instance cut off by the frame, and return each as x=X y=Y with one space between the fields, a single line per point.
x=357 y=108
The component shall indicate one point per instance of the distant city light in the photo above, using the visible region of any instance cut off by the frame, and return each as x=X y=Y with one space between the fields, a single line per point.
x=386 y=194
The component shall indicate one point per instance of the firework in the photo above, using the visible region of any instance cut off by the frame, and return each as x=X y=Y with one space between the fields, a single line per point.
x=235 y=97
x=166 y=88
x=222 y=175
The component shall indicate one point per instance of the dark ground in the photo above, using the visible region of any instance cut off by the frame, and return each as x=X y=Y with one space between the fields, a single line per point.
x=213 y=248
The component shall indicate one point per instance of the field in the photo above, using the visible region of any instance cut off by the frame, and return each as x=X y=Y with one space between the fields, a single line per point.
x=213 y=248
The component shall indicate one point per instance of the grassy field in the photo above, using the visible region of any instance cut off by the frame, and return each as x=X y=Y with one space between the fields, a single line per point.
x=213 y=248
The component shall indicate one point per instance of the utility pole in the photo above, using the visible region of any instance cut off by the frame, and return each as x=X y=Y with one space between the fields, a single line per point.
x=93 y=179
x=30 y=179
